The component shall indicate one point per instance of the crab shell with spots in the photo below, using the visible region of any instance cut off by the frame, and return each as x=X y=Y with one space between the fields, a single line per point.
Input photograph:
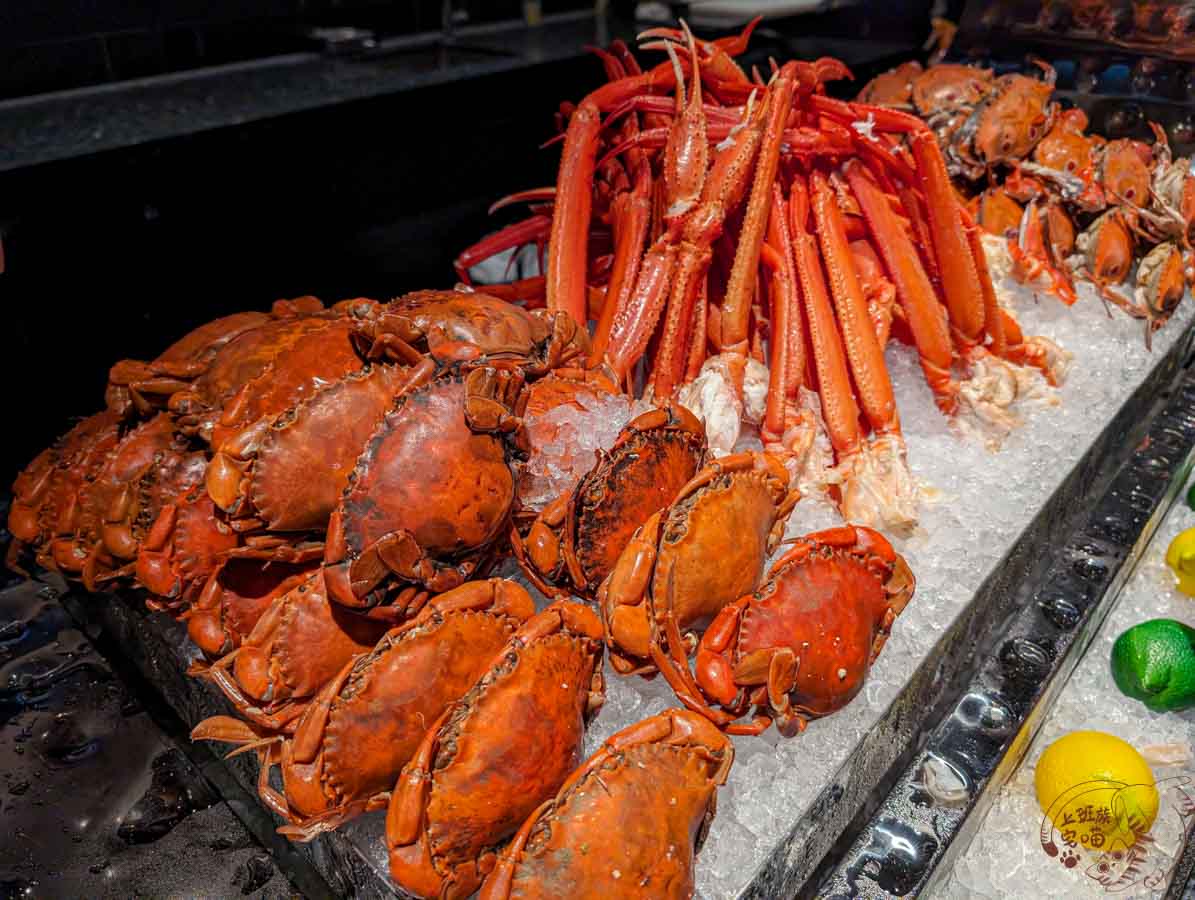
x=496 y=754
x=468 y=326
x=1017 y=115
x=628 y=823
x=705 y=550
x=575 y=542
x=941 y=93
x=262 y=476
x=1124 y=171
x=801 y=645
x=356 y=735
x=432 y=490
x=297 y=646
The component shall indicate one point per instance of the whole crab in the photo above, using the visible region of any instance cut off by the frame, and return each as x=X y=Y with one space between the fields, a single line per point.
x=148 y=466
x=136 y=386
x=200 y=405
x=574 y=543
x=297 y=646
x=704 y=550
x=496 y=754
x=627 y=823
x=49 y=485
x=183 y=550
x=261 y=476
x=432 y=489
x=800 y=646
x=465 y=326
x=356 y=735
x=1005 y=126
x=234 y=598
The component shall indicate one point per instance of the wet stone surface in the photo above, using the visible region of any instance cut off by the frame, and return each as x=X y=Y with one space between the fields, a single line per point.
x=97 y=800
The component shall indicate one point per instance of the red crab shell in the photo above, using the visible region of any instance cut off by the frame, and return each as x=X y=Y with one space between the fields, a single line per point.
x=1124 y=171
x=1015 y=118
x=136 y=386
x=64 y=514
x=496 y=754
x=262 y=477
x=142 y=455
x=357 y=734
x=893 y=88
x=235 y=598
x=801 y=645
x=575 y=542
x=704 y=550
x=431 y=491
x=136 y=507
x=316 y=359
x=627 y=823
x=52 y=478
x=242 y=359
x=296 y=647
x=467 y=326
x=949 y=87
x=183 y=550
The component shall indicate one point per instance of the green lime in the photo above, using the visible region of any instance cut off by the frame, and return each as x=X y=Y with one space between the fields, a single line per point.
x=1191 y=496
x=1154 y=662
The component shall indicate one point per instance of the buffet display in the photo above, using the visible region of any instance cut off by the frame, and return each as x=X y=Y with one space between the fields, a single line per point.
x=1031 y=173
x=734 y=266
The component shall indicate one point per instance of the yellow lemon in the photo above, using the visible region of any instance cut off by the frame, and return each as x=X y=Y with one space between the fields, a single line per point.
x=1097 y=790
x=1180 y=556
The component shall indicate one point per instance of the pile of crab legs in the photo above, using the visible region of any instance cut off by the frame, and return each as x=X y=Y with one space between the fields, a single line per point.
x=320 y=494
x=1031 y=171
x=742 y=222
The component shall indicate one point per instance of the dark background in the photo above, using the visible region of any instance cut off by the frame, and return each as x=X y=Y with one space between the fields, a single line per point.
x=114 y=252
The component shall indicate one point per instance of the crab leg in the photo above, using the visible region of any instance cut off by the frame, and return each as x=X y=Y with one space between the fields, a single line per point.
x=922 y=310
x=788 y=339
x=698 y=229
x=862 y=348
x=568 y=243
x=632 y=215
x=839 y=408
x=736 y=308
x=530 y=231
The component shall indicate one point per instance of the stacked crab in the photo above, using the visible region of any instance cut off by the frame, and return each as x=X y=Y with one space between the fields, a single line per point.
x=1033 y=171
x=320 y=493
x=751 y=247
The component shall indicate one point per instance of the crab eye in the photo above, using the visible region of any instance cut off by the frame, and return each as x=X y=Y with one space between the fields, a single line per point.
x=1130 y=193
x=1006 y=146
x=1070 y=165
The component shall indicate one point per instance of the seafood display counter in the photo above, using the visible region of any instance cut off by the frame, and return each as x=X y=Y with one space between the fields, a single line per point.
x=764 y=528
